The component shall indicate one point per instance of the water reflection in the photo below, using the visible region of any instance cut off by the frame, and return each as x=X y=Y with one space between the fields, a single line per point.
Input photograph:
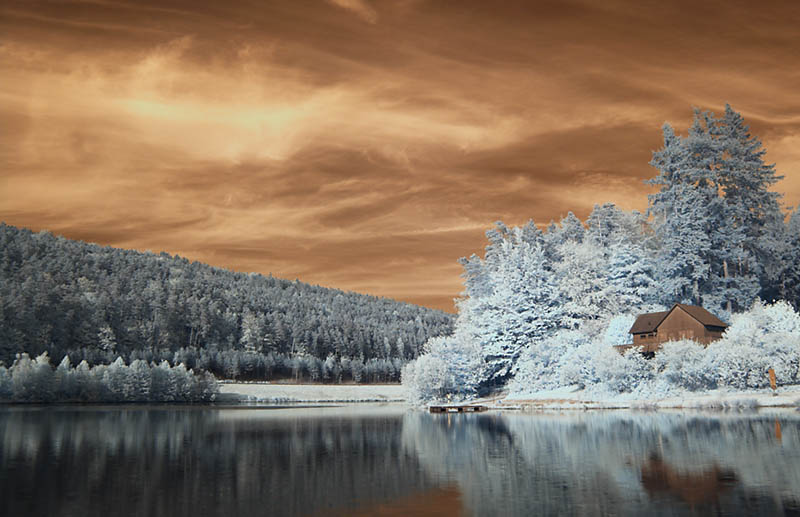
x=390 y=461
x=616 y=462
x=200 y=462
x=694 y=488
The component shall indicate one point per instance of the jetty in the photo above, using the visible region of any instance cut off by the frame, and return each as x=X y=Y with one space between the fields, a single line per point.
x=457 y=409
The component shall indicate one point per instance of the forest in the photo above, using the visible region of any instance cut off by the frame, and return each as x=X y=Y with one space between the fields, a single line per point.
x=97 y=304
x=543 y=307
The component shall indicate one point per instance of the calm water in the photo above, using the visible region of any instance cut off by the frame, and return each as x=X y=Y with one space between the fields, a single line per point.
x=373 y=460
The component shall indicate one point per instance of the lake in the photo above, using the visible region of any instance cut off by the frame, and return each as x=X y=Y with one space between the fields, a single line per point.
x=389 y=460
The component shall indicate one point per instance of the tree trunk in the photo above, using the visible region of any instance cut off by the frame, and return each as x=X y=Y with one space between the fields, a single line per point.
x=725 y=274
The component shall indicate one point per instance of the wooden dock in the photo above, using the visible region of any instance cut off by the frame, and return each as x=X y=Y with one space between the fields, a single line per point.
x=457 y=409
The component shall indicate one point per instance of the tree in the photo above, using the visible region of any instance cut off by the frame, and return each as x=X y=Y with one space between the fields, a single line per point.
x=523 y=304
x=426 y=378
x=252 y=331
x=584 y=292
x=746 y=180
x=632 y=276
x=789 y=286
x=464 y=368
x=704 y=257
x=106 y=340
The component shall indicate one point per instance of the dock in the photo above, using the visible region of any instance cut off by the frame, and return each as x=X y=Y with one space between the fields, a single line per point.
x=457 y=409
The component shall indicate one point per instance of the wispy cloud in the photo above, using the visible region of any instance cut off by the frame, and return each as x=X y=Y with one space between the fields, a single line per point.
x=360 y=8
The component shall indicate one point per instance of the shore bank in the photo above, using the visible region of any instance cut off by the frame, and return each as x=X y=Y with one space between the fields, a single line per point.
x=571 y=398
x=564 y=398
x=296 y=393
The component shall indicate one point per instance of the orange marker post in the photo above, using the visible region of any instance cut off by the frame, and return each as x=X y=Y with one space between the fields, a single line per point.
x=772 y=382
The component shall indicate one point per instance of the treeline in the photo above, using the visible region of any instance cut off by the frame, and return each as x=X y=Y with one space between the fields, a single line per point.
x=64 y=296
x=254 y=366
x=35 y=380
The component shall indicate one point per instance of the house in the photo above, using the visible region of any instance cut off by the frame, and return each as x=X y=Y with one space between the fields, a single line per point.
x=680 y=322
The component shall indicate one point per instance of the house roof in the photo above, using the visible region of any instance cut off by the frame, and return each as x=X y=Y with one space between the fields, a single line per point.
x=650 y=322
x=702 y=315
x=647 y=322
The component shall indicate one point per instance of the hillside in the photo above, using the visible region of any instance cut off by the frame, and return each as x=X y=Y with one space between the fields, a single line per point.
x=97 y=303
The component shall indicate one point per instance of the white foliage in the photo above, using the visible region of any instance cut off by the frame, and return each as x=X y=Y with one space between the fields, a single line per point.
x=543 y=361
x=681 y=364
x=523 y=306
x=584 y=290
x=425 y=378
x=452 y=365
x=617 y=332
x=622 y=373
x=767 y=336
x=34 y=380
x=6 y=388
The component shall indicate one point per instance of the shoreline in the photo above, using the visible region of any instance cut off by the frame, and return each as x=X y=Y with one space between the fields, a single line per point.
x=561 y=399
x=570 y=398
x=309 y=393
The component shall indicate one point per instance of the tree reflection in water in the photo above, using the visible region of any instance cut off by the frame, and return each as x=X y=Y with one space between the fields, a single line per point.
x=595 y=463
x=195 y=462
x=390 y=461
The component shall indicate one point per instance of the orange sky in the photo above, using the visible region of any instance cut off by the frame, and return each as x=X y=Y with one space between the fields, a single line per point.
x=359 y=144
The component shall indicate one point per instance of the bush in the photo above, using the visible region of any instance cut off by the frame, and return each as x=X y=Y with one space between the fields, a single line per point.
x=452 y=367
x=426 y=378
x=680 y=363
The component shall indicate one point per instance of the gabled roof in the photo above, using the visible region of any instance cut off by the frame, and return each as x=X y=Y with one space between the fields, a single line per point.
x=702 y=315
x=650 y=322
x=647 y=322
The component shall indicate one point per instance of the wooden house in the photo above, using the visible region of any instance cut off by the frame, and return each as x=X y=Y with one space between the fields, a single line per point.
x=680 y=322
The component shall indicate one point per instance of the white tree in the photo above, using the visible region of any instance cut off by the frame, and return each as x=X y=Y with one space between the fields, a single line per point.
x=6 y=387
x=618 y=330
x=139 y=380
x=64 y=380
x=524 y=305
x=550 y=362
x=252 y=338
x=107 y=341
x=584 y=292
x=425 y=378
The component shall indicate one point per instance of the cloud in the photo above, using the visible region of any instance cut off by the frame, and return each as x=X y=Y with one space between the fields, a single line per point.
x=296 y=139
x=361 y=8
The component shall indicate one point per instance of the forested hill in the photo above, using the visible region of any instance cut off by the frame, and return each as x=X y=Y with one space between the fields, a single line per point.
x=59 y=295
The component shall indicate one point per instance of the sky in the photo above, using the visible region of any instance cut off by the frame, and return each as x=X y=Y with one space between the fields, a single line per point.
x=363 y=144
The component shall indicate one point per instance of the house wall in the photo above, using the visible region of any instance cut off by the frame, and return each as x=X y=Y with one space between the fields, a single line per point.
x=644 y=339
x=712 y=335
x=680 y=325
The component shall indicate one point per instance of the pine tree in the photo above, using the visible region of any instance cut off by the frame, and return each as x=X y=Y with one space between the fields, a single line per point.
x=523 y=305
x=584 y=292
x=680 y=221
x=746 y=181
x=789 y=285
x=106 y=340
x=632 y=276
x=721 y=270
